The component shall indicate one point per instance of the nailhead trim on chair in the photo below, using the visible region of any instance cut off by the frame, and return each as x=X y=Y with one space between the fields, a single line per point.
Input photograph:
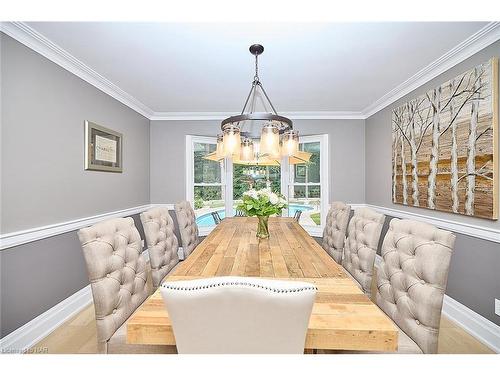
x=238 y=283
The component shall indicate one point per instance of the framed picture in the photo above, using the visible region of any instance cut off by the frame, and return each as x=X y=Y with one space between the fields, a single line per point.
x=445 y=146
x=103 y=148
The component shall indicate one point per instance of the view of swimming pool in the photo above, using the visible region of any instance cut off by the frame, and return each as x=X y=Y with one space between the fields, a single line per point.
x=206 y=220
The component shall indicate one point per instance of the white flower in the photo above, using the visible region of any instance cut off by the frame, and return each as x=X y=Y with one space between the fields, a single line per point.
x=265 y=192
x=252 y=194
x=273 y=198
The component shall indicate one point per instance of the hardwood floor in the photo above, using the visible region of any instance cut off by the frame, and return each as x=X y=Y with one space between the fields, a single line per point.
x=78 y=336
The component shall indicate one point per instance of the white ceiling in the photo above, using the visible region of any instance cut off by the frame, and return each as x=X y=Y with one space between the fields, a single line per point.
x=179 y=67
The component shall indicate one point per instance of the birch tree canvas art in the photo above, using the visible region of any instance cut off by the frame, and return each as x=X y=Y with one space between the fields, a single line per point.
x=445 y=146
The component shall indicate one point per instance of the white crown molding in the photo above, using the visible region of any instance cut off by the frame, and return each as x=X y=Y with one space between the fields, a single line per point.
x=477 y=325
x=45 y=47
x=218 y=116
x=39 y=43
x=475 y=43
x=484 y=233
x=12 y=239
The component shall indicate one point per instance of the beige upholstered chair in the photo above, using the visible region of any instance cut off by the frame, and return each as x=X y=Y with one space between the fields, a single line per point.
x=229 y=315
x=335 y=230
x=161 y=241
x=188 y=228
x=360 y=247
x=411 y=281
x=118 y=277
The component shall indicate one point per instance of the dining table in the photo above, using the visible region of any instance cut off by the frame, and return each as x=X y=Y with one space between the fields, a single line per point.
x=342 y=318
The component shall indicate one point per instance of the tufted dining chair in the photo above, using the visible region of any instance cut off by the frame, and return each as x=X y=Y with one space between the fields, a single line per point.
x=118 y=278
x=360 y=248
x=187 y=227
x=161 y=242
x=335 y=230
x=239 y=315
x=411 y=281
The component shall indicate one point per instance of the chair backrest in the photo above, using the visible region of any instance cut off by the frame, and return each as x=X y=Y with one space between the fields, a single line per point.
x=216 y=217
x=335 y=230
x=239 y=213
x=161 y=242
x=228 y=315
x=296 y=215
x=186 y=218
x=411 y=280
x=360 y=248
x=117 y=272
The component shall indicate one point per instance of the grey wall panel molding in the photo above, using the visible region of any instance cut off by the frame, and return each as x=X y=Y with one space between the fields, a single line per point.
x=40 y=274
x=474 y=279
x=44 y=108
x=168 y=156
x=378 y=135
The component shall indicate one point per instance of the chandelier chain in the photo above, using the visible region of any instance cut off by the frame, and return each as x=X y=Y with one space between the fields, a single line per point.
x=256 y=77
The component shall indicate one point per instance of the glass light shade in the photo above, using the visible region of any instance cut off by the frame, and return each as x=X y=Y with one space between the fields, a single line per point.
x=219 y=152
x=270 y=140
x=232 y=140
x=290 y=144
x=247 y=153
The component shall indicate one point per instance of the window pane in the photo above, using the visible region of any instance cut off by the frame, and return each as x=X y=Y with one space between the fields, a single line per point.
x=208 y=199
x=246 y=177
x=314 y=191
x=205 y=171
x=300 y=173
x=313 y=167
x=306 y=199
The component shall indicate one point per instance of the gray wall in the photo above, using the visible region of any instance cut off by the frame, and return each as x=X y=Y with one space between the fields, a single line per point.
x=38 y=275
x=43 y=112
x=346 y=140
x=474 y=279
x=43 y=181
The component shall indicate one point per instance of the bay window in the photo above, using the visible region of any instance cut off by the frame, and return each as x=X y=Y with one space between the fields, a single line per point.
x=218 y=186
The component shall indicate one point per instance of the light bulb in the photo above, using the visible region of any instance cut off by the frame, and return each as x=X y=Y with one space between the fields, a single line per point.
x=246 y=153
x=270 y=140
x=232 y=140
x=219 y=152
x=290 y=143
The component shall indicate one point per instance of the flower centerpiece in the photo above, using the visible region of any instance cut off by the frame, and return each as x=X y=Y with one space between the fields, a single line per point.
x=262 y=203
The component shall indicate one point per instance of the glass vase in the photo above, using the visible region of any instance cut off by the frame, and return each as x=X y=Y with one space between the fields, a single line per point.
x=263 y=228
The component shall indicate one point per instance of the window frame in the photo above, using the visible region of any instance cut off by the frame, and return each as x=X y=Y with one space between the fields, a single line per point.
x=191 y=184
x=324 y=177
x=227 y=178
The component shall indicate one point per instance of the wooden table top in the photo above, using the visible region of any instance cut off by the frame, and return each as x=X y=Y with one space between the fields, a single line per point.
x=342 y=317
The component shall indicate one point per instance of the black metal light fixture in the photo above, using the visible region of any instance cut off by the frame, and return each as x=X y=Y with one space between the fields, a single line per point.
x=274 y=126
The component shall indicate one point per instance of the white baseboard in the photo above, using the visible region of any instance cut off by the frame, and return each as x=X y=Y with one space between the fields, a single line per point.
x=478 y=326
x=40 y=327
x=35 y=330
x=481 y=328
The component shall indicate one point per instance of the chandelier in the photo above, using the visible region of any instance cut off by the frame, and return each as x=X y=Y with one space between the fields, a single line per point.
x=277 y=137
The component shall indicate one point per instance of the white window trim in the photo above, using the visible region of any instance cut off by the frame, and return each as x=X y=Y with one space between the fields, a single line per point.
x=285 y=178
x=317 y=230
x=190 y=140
